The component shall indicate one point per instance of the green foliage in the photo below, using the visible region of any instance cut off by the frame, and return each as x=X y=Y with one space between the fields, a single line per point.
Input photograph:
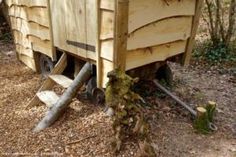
x=215 y=53
x=6 y=37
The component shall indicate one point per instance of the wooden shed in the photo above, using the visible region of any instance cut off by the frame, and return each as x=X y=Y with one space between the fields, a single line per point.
x=109 y=33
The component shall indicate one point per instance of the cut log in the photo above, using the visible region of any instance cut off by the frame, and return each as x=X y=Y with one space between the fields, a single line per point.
x=211 y=107
x=56 y=110
x=201 y=123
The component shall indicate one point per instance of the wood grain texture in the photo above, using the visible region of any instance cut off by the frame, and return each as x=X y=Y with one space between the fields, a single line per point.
x=121 y=33
x=107 y=4
x=140 y=57
x=28 y=3
x=36 y=14
x=107 y=23
x=30 y=62
x=20 y=49
x=143 y=12
x=161 y=32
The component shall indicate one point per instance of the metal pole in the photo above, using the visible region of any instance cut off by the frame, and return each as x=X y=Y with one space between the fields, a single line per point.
x=175 y=98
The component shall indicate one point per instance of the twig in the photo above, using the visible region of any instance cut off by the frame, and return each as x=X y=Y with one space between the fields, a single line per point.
x=77 y=141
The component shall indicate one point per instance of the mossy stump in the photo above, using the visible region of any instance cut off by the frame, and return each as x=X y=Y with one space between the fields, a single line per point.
x=204 y=119
x=128 y=121
x=211 y=107
x=201 y=122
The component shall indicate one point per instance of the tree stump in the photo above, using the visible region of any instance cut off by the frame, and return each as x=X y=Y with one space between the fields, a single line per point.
x=201 y=122
x=211 y=107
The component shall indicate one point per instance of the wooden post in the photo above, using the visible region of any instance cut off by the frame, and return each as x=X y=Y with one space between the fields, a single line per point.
x=211 y=107
x=98 y=46
x=54 y=54
x=191 y=41
x=121 y=33
x=57 y=109
x=201 y=122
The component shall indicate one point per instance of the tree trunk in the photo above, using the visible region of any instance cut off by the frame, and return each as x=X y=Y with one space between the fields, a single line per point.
x=53 y=114
x=232 y=21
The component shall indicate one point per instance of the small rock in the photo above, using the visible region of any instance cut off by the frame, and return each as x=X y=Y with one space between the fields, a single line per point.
x=232 y=149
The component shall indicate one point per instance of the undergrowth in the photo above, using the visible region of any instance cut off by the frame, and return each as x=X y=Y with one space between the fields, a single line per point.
x=215 y=53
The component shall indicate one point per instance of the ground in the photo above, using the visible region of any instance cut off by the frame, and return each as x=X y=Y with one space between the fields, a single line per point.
x=172 y=132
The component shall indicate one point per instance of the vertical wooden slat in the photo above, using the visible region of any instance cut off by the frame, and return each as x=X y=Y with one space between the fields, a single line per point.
x=121 y=33
x=54 y=57
x=191 y=41
x=98 y=46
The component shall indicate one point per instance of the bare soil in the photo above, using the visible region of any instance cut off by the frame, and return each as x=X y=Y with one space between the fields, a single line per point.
x=171 y=126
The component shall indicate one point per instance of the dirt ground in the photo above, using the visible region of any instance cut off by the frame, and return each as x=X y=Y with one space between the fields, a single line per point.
x=172 y=133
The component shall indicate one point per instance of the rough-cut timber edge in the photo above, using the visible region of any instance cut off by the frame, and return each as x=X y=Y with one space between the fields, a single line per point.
x=53 y=114
x=191 y=41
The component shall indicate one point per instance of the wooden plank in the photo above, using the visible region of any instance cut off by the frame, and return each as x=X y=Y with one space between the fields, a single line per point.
x=191 y=42
x=69 y=17
x=75 y=26
x=24 y=51
x=106 y=66
x=107 y=49
x=38 y=15
x=98 y=47
x=61 y=80
x=53 y=53
x=121 y=33
x=48 y=97
x=42 y=46
x=27 y=61
x=18 y=11
x=20 y=39
x=58 y=11
x=161 y=32
x=58 y=69
x=140 y=57
x=91 y=24
x=35 y=14
x=30 y=28
x=28 y=3
x=144 y=12
x=107 y=25
x=107 y=4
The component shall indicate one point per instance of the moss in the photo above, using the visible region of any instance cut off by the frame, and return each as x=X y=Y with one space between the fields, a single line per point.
x=201 y=123
x=205 y=117
x=128 y=119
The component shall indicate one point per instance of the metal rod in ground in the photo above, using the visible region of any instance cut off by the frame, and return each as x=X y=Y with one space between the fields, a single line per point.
x=175 y=97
